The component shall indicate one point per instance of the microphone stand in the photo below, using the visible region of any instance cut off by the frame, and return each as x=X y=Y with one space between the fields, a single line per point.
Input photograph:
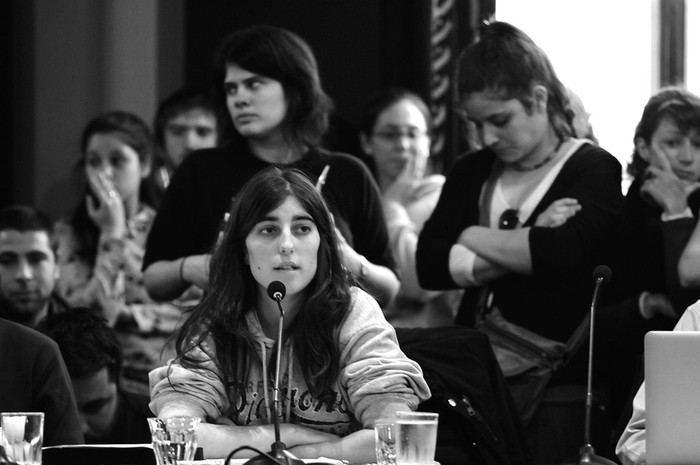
x=587 y=454
x=279 y=453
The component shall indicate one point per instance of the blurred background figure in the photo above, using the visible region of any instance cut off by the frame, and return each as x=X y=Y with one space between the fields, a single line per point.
x=108 y=413
x=580 y=118
x=100 y=244
x=28 y=268
x=395 y=135
x=185 y=121
x=35 y=379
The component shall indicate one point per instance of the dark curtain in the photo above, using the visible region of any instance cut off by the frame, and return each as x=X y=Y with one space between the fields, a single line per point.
x=17 y=102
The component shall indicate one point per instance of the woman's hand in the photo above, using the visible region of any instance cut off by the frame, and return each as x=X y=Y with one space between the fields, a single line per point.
x=402 y=188
x=351 y=259
x=558 y=213
x=107 y=212
x=665 y=189
x=651 y=305
x=357 y=447
x=220 y=438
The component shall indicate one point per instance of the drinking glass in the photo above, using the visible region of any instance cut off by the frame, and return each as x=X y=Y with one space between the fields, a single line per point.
x=174 y=439
x=384 y=442
x=23 y=436
x=416 y=437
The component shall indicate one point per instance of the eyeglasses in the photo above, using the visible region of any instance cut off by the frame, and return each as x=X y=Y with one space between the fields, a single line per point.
x=395 y=136
x=509 y=219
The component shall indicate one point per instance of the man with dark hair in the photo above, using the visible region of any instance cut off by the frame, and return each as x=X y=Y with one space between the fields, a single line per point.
x=35 y=379
x=28 y=269
x=93 y=356
x=185 y=121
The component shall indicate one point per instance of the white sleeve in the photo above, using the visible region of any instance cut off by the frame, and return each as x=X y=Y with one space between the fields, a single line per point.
x=631 y=449
x=462 y=265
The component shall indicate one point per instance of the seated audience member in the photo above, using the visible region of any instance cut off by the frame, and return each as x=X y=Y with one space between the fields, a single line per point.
x=28 y=269
x=279 y=114
x=657 y=222
x=185 y=121
x=395 y=135
x=660 y=205
x=519 y=222
x=689 y=264
x=100 y=245
x=341 y=366
x=35 y=379
x=632 y=448
x=108 y=414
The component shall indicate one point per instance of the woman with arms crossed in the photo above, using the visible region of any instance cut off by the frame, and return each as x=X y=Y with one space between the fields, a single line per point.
x=520 y=222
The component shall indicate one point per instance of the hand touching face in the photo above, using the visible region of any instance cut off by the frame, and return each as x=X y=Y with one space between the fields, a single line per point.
x=671 y=149
x=399 y=143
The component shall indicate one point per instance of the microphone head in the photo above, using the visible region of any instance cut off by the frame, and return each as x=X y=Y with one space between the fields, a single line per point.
x=602 y=273
x=276 y=290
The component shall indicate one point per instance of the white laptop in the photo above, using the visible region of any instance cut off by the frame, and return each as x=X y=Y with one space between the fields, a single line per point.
x=672 y=376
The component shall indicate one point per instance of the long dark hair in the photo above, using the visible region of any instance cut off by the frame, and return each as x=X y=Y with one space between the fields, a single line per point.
x=233 y=291
x=285 y=57
x=679 y=104
x=507 y=61
x=136 y=133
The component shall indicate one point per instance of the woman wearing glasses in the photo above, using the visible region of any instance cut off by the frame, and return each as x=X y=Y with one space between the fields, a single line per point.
x=519 y=222
x=278 y=113
x=395 y=134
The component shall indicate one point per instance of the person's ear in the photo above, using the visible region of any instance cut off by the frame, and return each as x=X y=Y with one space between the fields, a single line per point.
x=539 y=97
x=145 y=168
x=364 y=142
x=643 y=149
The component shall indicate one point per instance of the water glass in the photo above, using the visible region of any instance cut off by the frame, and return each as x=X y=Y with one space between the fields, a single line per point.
x=416 y=437
x=22 y=436
x=384 y=443
x=174 y=439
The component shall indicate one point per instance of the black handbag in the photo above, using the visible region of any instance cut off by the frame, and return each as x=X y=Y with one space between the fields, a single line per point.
x=527 y=359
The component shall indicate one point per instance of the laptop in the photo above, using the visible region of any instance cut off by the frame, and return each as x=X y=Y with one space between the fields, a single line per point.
x=672 y=376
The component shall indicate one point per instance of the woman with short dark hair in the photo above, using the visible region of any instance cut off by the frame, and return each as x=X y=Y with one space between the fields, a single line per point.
x=278 y=113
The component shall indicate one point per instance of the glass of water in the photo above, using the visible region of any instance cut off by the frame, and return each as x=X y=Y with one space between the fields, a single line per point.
x=384 y=442
x=22 y=436
x=174 y=439
x=416 y=437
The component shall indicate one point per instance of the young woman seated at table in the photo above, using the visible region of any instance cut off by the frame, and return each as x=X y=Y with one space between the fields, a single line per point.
x=342 y=368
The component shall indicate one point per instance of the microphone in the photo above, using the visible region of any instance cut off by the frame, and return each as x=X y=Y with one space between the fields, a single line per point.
x=276 y=290
x=601 y=275
x=279 y=453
